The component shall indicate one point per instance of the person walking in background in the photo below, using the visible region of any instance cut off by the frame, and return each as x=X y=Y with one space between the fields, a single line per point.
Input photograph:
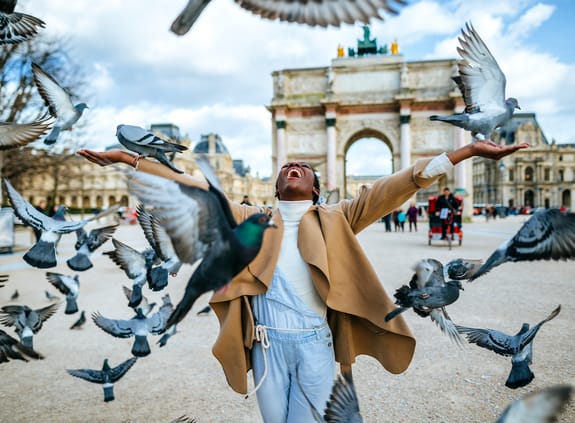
x=246 y=201
x=395 y=220
x=412 y=214
x=401 y=219
x=387 y=220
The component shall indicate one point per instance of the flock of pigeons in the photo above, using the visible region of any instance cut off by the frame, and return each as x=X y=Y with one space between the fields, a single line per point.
x=185 y=224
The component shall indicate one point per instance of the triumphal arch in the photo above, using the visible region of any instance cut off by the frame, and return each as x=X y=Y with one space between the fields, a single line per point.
x=318 y=113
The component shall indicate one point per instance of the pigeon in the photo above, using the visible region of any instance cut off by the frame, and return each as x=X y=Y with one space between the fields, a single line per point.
x=86 y=244
x=79 y=324
x=518 y=346
x=144 y=304
x=428 y=294
x=135 y=264
x=10 y=348
x=162 y=245
x=26 y=321
x=461 y=269
x=204 y=311
x=3 y=280
x=59 y=103
x=201 y=226
x=541 y=406
x=146 y=144
x=15 y=295
x=50 y=296
x=17 y=27
x=321 y=13
x=67 y=285
x=138 y=326
x=167 y=301
x=547 y=235
x=106 y=377
x=43 y=254
x=482 y=85
x=14 y=135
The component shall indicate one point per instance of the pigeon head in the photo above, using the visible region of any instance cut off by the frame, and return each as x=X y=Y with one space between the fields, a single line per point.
x=425 y=268
x=511 y=101
x=81 y=106
x=106 y=366
x=251 y=230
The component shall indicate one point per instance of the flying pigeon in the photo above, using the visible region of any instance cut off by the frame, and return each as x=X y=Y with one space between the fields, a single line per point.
x=428 y=294
x=547 y=235
x=461 y=269
x=482 y=85
x=67 y=285
x=106 y=377
x=138 y=326
x=135 y=264
x=321 y=13
x=14 y=135
x=201 y=225
x=79 y=324
x=541 y=406
x=50 y=296
x=86 y=244
x=3 y=280
x=144 y=304
x=43 y=254
x=146 y=144
x=167 y=301
x=518 y=346
x=26 y=321
x=59 y=103
x=10 y=348
x=15 y=295
x=16 y=27
x=162 y=245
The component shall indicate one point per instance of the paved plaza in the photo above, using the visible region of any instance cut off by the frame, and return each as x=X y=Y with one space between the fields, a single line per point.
x=443 y=384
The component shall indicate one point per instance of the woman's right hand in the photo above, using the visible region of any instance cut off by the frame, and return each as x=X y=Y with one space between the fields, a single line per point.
x=105 y=158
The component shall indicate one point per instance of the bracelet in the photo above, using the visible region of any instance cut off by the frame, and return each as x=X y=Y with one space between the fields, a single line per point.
x=136 y=161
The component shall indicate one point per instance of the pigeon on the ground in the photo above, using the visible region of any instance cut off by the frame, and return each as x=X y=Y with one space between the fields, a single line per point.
x=138 y=326
x=79 y=324
x=201 y=225
x=204 y=311
x=518 y=346
x=144 y=304
x=17 y=27
x=461 y=269
x=541 y=406
x=3 y=280
x=14 y=135
x=59 y=103
x=15 y=295
x=135 y=264
x=428 y=293
x=43 y=254
x=26 y=321
x=106 y=377
x=86 y=244
x=321 y=13
x=146 y=144
x=547 y=235
x=51 y=296
x=67 y=285
x=162 y=245
x=11 y=348
x=482 y=85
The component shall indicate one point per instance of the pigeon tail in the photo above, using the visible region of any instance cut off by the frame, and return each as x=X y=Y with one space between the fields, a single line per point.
x=494 y=260
x=42 y=255
x=52 y=136
x=141 y=346
x=108 y=392
x=136 y=297
x=71 y=306
x=457 y=119
x=520 y=375
x=157 y=278
x=162 y=158
x=395 y=312
x=79 y=262
x=186 y=19
x=403 y=297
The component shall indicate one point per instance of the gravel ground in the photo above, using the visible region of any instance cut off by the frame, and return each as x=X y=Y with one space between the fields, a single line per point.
x=443 y=384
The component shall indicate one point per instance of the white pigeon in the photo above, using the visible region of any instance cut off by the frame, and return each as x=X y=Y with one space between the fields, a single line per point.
x=482 y=85
x=14 y=135
x=17 y=27
x=313 y=13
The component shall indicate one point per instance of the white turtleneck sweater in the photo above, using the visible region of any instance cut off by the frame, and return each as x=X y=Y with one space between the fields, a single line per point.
x=290 y=262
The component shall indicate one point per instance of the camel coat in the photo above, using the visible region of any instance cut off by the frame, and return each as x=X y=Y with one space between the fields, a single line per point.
x=341 y=273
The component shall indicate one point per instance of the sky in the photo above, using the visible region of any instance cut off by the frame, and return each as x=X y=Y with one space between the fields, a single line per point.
x=217 y=77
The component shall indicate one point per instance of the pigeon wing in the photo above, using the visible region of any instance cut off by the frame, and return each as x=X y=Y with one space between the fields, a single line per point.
x=343 y=406
x=130 y=260
x=91 y=375
x=490 y=339
x=117 y=328
x=11 y=348
x=18 y=27
x=26 y=211
x=157 y=322
x=9 y=314
x=442 y=319
x=216 y=188
x=529 y=335
x=56 y=98
x=99 y=236
x=37 y=317
x=121 y=369
x=19 y=134
x=145 y=221
x=65 y=284
x=543 y=405
x=165 y=249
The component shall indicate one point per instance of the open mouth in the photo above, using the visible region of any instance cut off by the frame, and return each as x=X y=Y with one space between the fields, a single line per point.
x=294 y=173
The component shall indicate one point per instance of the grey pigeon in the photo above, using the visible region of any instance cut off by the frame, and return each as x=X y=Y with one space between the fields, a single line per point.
x=14 y=135
x=427 y=294
x=79 y=324
x=51 y=296
x=15 y=295
x=547 y=235
x=86 y=244
x=461 y=269
x=167 y=301
x=146 y=144
x=136 y=264
x=138 y=326
x=144 y=304
x=518 y=346
x=162 y=245
x=541 y=406
x=16 y=27
x=482 y=85
x=106 y=377
x=3 y=280
x=321 y=13
x=43 y=254
x=59 y=103
x=201 y=225
x=67 y=285
x=26 y=321
x=11 y=349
